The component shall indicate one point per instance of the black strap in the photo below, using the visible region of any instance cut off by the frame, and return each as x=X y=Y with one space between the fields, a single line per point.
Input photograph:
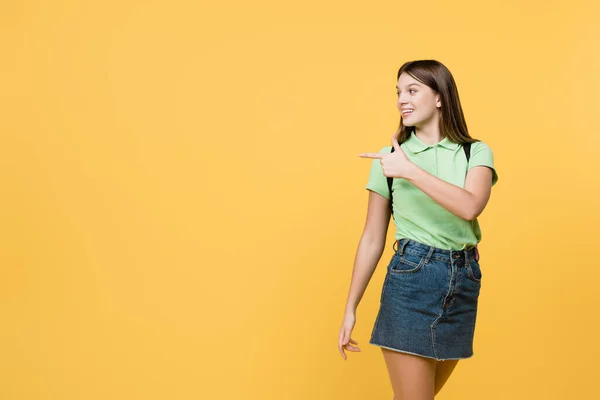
x=467 y=149
x=390 y=181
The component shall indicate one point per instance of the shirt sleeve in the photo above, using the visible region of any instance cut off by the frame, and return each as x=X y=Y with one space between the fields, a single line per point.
x=481 y=154
x=377 y=180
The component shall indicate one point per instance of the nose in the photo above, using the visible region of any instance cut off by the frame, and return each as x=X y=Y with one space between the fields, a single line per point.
x=402 y=99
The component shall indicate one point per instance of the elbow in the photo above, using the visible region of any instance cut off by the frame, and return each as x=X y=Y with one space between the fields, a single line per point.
x=472 y=208
x=469 y=216
x=470 y=213
x=376 y=243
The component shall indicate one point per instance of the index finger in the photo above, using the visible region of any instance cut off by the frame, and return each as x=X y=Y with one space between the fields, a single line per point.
x=371 y=155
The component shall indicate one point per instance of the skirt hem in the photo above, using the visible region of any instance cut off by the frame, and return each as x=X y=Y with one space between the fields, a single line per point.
x=417 y=354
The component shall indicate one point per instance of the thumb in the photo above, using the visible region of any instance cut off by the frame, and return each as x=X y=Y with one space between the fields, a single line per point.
x=395 y=142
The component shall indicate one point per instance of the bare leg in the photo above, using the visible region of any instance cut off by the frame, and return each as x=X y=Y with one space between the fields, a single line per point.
x=412 y=377
x=443 y=370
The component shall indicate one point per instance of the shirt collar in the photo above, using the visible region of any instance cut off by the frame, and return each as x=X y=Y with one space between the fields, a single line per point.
x=415 y=145
x=449 y=144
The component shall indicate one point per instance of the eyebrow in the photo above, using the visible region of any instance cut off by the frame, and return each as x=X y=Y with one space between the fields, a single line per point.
x=412 y=84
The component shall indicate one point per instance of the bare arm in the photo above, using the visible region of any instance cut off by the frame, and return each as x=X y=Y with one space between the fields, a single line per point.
x=467 y=203
x=370 y=249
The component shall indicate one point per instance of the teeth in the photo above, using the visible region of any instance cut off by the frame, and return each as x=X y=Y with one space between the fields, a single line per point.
x=407 y=111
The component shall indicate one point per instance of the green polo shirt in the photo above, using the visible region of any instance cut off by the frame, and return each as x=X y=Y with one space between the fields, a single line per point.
x=418 y=216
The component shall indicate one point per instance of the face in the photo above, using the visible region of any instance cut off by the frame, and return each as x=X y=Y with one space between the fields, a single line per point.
x=418 y=104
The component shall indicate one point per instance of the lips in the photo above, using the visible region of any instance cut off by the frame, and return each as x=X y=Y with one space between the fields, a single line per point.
x=406 y=112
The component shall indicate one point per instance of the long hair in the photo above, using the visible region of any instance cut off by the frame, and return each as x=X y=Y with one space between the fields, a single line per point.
x=452 y=120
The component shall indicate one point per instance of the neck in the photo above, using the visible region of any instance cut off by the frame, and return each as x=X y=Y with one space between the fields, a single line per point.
x=429 y=134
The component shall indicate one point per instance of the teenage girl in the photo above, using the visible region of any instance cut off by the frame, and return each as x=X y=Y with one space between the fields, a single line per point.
x=442 y=180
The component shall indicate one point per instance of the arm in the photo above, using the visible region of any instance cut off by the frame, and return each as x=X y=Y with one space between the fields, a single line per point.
x=370 y=249
x=467 y=203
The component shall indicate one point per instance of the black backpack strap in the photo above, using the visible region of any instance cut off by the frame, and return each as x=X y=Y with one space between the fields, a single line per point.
x=467 y=149
x=390 y=181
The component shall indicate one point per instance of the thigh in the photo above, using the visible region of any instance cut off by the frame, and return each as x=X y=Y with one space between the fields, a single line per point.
x=443 y=370
x=412 y=377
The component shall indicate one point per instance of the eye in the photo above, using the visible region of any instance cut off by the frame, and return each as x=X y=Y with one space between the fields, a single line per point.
x=412 y=90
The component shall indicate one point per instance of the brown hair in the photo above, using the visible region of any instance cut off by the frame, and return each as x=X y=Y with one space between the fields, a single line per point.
x=452 y=120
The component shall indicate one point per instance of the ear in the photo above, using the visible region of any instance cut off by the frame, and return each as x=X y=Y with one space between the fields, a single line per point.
x=438 y=102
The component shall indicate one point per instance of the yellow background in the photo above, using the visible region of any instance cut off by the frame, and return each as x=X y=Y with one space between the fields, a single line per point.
x=182 y=194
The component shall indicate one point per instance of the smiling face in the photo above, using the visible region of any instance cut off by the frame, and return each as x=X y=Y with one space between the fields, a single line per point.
x=418 y=104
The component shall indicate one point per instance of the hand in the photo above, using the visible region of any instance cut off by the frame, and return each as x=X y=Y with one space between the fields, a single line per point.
x=394 y=165
x=344 y=340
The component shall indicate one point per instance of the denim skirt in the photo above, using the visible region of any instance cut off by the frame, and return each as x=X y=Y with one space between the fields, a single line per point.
x=429 y=301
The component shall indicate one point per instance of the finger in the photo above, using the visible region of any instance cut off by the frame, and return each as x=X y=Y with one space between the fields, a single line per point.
x=346 y=337
x=395 y=142
x=341 y=344
x=353 y=341
x=341 y=349
x=351 y=346
x=371 y=155
x=342 y=352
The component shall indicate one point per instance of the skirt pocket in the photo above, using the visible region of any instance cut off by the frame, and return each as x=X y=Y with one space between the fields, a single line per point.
x=407 y=263
x=474 y=271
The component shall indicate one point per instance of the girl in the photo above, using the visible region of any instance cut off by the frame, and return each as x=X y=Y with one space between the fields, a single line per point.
x=440 y=180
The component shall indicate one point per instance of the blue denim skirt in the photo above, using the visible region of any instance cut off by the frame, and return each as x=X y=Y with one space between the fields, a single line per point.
x=429 y=301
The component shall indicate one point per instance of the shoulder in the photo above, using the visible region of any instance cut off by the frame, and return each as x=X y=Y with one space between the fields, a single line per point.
x=482 y=155
x=481 y=149
x=480 y=146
